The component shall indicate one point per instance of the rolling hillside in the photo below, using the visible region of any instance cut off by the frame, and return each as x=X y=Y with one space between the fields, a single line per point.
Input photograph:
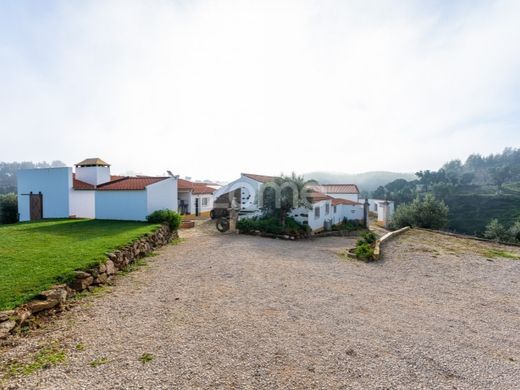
x=367 y=181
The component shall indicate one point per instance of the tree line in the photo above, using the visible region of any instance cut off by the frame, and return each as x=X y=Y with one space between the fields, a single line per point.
x=494 y=177
x=493 y=170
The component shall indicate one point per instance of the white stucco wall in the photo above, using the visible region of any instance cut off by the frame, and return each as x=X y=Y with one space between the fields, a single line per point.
x=307 y=216
x=249 y=192
x=350 y=212
x=53 y=183
x=121 y=205
x=162 y=195
x=82 y=203
x=352 y=197
x=202 y=208
x=93 y=175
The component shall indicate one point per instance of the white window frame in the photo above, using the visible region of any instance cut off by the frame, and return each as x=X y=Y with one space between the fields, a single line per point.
x=204 y=201
x=317 y=212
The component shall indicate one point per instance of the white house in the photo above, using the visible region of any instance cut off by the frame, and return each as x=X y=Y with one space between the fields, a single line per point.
x=245 y=190
x=195 y=198
x=327 y=211
x=339 y=191
x=92 y=192
x=331 y=204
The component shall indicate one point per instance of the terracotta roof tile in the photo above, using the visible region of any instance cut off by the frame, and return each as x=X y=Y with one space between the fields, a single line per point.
x=337 y=201
x=202 y=188
x=196 y=188
x=81 y=185
x=315 y=196
x=130 y=183
x=337 y=188
x=259 y=178
x=92 y=162
x=184 y=185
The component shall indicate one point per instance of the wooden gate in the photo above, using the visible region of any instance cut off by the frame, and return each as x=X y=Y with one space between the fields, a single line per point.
x=36 y=206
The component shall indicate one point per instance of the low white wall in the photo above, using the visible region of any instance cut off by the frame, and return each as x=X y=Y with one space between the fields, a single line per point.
x=162 y=195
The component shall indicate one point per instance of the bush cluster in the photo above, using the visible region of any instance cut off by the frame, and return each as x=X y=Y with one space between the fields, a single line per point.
x=347 y=225
x=271 y=225
x=169 y=217
x=498 y=232
x=8 y=208
x=365 y=246
x=425 y=213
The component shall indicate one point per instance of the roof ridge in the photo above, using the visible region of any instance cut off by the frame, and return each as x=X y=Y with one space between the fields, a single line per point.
x=113 y=181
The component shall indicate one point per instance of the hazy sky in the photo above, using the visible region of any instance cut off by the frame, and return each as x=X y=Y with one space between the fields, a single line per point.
x=210 y=89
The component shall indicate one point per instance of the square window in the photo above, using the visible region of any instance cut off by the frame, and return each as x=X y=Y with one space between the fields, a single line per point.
x=204 y=202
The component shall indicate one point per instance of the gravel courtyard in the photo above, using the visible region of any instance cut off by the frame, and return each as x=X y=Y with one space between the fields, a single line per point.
x=229 y=311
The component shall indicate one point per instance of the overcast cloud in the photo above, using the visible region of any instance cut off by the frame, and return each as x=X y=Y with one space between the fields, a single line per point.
x=210 y=89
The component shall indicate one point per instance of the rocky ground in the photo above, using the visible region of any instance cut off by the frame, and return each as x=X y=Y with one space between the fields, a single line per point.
x=231 y=311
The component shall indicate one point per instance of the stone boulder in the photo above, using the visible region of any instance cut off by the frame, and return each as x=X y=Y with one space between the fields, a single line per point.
x=6 y=327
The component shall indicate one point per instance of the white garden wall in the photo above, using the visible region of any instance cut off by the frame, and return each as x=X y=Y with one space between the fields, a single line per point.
x=83 y=203
x=162 y=195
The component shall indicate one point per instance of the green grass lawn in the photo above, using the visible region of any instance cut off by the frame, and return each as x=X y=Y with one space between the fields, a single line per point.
x=33 y=256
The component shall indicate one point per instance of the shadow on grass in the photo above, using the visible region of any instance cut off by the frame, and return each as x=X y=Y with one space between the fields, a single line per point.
x=81 y=229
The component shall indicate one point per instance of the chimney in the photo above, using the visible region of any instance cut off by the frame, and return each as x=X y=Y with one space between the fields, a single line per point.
x=93 y=171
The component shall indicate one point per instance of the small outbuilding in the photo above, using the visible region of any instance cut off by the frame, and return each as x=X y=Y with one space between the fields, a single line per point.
x=92 y=192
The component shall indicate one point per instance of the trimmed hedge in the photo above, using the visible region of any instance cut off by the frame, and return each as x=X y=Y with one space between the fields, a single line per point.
x=271 y=225
x=167 y=216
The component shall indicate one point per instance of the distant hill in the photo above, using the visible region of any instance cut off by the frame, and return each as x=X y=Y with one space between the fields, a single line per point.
x=367 y=181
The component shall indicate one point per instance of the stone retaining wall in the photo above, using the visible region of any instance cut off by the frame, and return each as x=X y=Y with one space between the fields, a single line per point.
x=52 y=300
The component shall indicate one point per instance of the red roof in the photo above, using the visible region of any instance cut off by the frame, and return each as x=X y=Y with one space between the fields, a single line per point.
x=130 y=183
x=259 y=178
x=81 y=185
x=315 y=196
x=337 y=201
x=196 y=188
x=337 y=188
x=184 y=185
x=202 y=188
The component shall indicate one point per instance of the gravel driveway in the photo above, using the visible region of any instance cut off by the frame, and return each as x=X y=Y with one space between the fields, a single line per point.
x=231 y=311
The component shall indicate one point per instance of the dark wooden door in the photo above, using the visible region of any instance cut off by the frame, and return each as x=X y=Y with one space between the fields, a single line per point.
x=196 y=207
x=36 y=206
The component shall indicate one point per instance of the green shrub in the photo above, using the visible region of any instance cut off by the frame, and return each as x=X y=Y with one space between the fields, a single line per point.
x=364 y=251
x=246 y=225
x=369 y=237
x=169 y=217
x=8 y=208
x=347 y=225
x=496 y=231
x=425 y=213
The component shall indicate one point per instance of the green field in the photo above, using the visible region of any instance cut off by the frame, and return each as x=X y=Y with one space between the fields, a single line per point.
x=33 y=256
